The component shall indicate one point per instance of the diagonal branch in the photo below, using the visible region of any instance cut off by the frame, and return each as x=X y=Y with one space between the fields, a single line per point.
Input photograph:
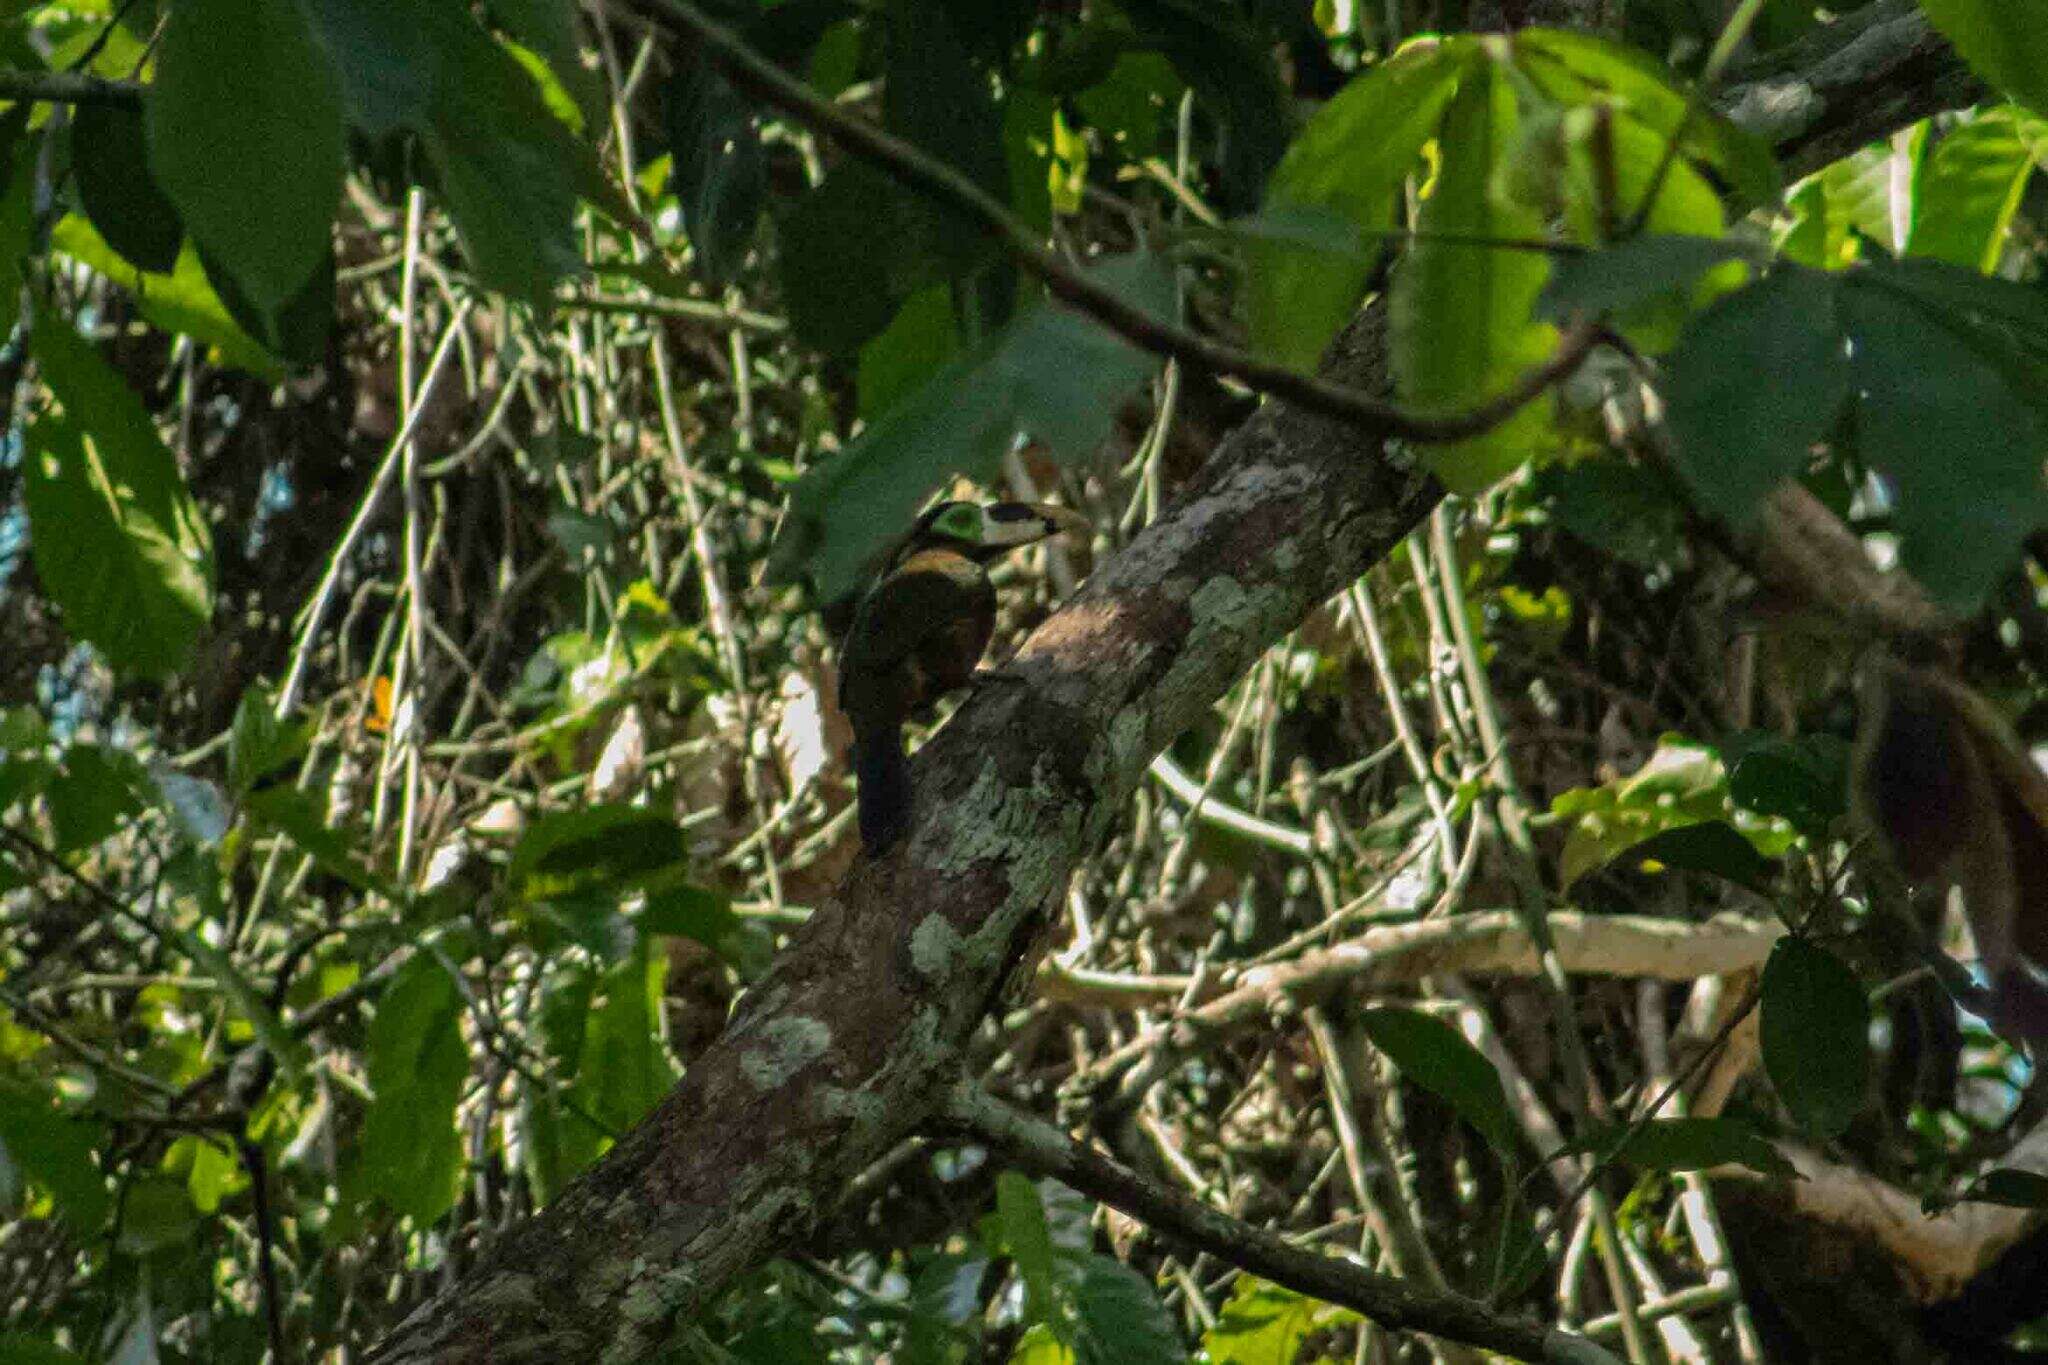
x=1033 y=1145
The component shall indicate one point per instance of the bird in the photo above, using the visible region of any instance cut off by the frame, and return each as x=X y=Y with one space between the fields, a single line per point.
x=918 y=633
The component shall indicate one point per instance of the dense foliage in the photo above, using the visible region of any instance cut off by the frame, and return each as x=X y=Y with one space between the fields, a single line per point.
x=431 y=430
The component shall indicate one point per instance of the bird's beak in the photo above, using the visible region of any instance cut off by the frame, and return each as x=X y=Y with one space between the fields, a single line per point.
x=1012 y=524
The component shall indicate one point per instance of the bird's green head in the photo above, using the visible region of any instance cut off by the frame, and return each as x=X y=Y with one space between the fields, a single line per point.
x=985 y=531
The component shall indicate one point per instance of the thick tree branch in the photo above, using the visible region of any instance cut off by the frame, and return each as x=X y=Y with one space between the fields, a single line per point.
x=856 y=1035
x=1037 y=1146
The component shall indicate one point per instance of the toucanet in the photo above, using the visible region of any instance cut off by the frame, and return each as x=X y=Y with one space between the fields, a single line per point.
x=918 y=633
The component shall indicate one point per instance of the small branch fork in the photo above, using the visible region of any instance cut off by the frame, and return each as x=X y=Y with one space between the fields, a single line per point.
x=1034 y=1145
x=907 y=162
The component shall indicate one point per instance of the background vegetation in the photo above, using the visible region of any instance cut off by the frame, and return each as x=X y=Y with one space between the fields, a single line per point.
x=430 y=432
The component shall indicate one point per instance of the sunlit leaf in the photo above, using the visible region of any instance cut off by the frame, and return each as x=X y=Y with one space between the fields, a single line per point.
x=411 y=1155
x=2005 y=43
x=1437 y=1057
x=249 y=149
x=1461 y=319
x=1349 y=162
x=1972 y=185
x=118 y=541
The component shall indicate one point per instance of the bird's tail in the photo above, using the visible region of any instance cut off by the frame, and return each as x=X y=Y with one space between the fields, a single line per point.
x=884 y=773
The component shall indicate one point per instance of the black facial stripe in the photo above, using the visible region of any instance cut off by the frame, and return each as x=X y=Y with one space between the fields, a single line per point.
x=1010 y=511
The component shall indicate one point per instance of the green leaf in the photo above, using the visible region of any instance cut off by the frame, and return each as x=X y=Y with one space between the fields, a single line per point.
x=259 y=743
x=411 y=1155
x=389 y=65
x=1734 y=438
x=19 y=1348
x=1029 y=1243
x=626 y=1068
x=301 y=817
x=1804 y=781
x=1958 y=422
x=110 y=157
x=596 y=849
x=1815 y=1028
x=183 y=301
x=851 y=251
x=1437 y=1057
x=2005 y=43
x=1048 y=372
x=719 y=168
x=1686 y=1145
x=1349 y=161
x=23 y=730
x=1615 y=508
x=1575 y=68
x=1710 y=846
x=95 y=791
x=55 y=1150
x=18 y=216
x=548 y=27
x=922 y=339
x=938 y=98
x=1264 y=1324
x=697 y=913
x=559 y=1141
x=1461 y=325
x=293 y=1054
x=118 y=540
x=2015 y=1189
x=156 y=1215
x=1118 y=1316
x=1863 y=193
x=212 y=1173
x=249 y=148
x=1620 y=276
x=510 y=170
x=297 y=329
x=1971 y=186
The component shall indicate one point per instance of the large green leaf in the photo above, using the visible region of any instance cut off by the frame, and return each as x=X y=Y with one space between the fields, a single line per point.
x=302 y=818
x=1734 y=437
x=183 y=301
x=719 y=168
x=387 y=59
x=851 y=251
x=245 y=136
x=1049 y=372
x=1118 y=1316
x=1265 y=1324
x=117 y=539
x=411 y=1154
x=921 y=339
x=938 y=98
x=1437 y=1057
x=110 y=158
x=626 y=1067
x=1957 y=423
x=55 y=1150
x=2003 y=41
x=511 y=171
x=1814 y=1030
x=1028 y=1241
x=1971 y=187
x=1573 y=68
x=1462 y=328
x=1351 y=161
x=611 y=848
